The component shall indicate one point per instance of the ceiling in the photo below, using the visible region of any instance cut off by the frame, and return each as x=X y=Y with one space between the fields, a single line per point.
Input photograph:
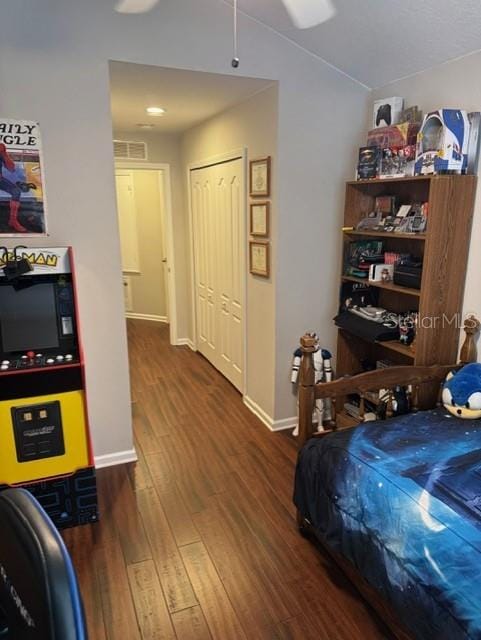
x=189 y=97
x=378 y=41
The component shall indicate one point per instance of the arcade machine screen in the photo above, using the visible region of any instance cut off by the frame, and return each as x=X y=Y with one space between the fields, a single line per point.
x=28 y=318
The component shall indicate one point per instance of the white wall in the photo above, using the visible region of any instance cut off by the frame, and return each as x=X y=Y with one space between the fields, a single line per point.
x=451 y=85
x=54 y=68
x=252 y=124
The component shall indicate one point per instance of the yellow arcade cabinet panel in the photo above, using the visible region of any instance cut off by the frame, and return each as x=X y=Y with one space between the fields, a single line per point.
x=42 y=437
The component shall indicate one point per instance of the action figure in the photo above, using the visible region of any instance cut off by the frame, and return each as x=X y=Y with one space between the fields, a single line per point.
x=14 y=190
x=323 y=373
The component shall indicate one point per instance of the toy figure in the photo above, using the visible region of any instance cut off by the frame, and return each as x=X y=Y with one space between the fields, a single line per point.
x=462 y=392
x=407 y=328
x=323 y=373
x=13 y=189
x=385 y=275
x=296 y=363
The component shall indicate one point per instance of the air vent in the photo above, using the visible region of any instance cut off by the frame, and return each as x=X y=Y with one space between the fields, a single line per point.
x=126 y=150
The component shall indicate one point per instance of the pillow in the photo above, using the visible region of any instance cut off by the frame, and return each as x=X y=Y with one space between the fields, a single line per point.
x=462 y=392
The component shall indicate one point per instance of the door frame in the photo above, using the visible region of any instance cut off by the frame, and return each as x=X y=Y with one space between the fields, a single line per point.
x=234 y=154
x=164 y=176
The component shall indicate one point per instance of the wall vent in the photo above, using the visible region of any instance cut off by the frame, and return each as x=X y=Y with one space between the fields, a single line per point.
x=127 y=150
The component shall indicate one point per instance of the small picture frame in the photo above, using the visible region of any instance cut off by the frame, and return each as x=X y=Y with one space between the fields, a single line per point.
x=260 y=178
x=260 y=214
x=259 y=259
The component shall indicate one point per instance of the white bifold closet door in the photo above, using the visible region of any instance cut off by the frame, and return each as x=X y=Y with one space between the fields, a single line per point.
x=219 y=240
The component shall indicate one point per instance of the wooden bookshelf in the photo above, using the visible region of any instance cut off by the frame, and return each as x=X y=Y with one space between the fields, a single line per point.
x=443 y=249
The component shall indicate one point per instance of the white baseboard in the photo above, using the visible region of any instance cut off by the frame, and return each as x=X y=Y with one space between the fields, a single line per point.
x=286 y=423
x=146 y=316
x=271 y=424
x=185 y=341
x=112 y=459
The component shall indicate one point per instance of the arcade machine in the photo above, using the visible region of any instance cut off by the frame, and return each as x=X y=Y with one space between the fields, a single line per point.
x=44 y=435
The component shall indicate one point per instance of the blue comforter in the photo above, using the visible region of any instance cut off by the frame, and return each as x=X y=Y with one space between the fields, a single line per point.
x=401 y=500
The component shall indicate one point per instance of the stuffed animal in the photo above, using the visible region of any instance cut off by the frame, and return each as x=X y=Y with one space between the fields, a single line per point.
x=462 y=392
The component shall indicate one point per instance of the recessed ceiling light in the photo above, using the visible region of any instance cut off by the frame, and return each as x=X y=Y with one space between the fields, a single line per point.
x=155 y=111
x=146 y=125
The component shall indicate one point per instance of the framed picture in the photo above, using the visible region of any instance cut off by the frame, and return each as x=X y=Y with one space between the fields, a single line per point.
x=260 y=219
x=260 y=178
x=259 y=258
x=22 y=184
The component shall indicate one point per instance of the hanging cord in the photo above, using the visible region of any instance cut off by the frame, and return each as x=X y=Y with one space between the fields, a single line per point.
x=235 y=59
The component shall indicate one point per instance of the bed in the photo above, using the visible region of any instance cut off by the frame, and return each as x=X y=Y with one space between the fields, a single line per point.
x=397 y=503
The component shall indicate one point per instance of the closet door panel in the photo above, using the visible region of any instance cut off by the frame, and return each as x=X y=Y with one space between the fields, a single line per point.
x=209 y=255
x=202 y=221
x=238 y=270
x=225 y=268
x=231 y=261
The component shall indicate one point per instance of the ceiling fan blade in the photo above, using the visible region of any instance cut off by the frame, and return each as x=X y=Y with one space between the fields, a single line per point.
x=309 y=13
x=135 y=6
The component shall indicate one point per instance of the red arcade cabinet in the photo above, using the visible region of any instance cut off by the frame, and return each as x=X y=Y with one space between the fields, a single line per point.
x=44 y=433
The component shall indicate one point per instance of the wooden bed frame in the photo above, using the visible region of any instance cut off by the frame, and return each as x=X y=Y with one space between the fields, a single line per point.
x=407 y=376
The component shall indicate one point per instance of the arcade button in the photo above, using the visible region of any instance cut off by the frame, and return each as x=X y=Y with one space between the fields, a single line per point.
x=69 y=357
x=59 y=358
x=7 y=362
x=3 y=367
x=30 y=355
x=50 y=361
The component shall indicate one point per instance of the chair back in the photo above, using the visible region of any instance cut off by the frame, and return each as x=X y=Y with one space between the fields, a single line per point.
x=39 y=594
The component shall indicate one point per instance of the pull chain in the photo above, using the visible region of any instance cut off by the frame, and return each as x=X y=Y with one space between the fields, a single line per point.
x=235 y=59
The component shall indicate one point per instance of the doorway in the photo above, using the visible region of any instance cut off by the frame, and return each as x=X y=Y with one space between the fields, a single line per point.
x=145 y=228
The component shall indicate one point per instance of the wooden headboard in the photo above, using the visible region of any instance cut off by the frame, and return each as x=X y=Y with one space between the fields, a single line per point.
x=407 y=376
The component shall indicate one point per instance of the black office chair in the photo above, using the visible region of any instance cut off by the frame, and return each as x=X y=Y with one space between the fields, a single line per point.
x=39 y=594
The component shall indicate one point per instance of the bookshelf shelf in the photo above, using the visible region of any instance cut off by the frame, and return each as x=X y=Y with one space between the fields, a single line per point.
x=384 y=285
x=398 y=347
x=385 y=234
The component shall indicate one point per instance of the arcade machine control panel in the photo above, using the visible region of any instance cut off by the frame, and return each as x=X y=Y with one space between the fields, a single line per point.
x=32 y=360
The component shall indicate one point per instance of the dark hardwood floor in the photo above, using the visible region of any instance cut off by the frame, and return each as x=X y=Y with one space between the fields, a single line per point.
x=198 y=539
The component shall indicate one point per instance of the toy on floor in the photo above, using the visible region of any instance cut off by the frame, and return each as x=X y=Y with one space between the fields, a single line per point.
x=462 y=392
x=323 y=373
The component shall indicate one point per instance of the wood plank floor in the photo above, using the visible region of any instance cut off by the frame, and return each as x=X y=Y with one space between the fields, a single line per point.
x=198 y=539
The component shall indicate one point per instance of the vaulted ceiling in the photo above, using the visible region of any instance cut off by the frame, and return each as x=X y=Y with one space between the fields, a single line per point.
x=379 y=41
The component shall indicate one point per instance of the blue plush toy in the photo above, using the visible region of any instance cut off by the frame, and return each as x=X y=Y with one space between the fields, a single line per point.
x=462 y=392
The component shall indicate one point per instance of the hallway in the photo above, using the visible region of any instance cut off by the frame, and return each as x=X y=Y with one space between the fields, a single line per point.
x=198 y=539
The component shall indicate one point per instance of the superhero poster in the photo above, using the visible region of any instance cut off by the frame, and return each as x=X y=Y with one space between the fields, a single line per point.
x=22 y=189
